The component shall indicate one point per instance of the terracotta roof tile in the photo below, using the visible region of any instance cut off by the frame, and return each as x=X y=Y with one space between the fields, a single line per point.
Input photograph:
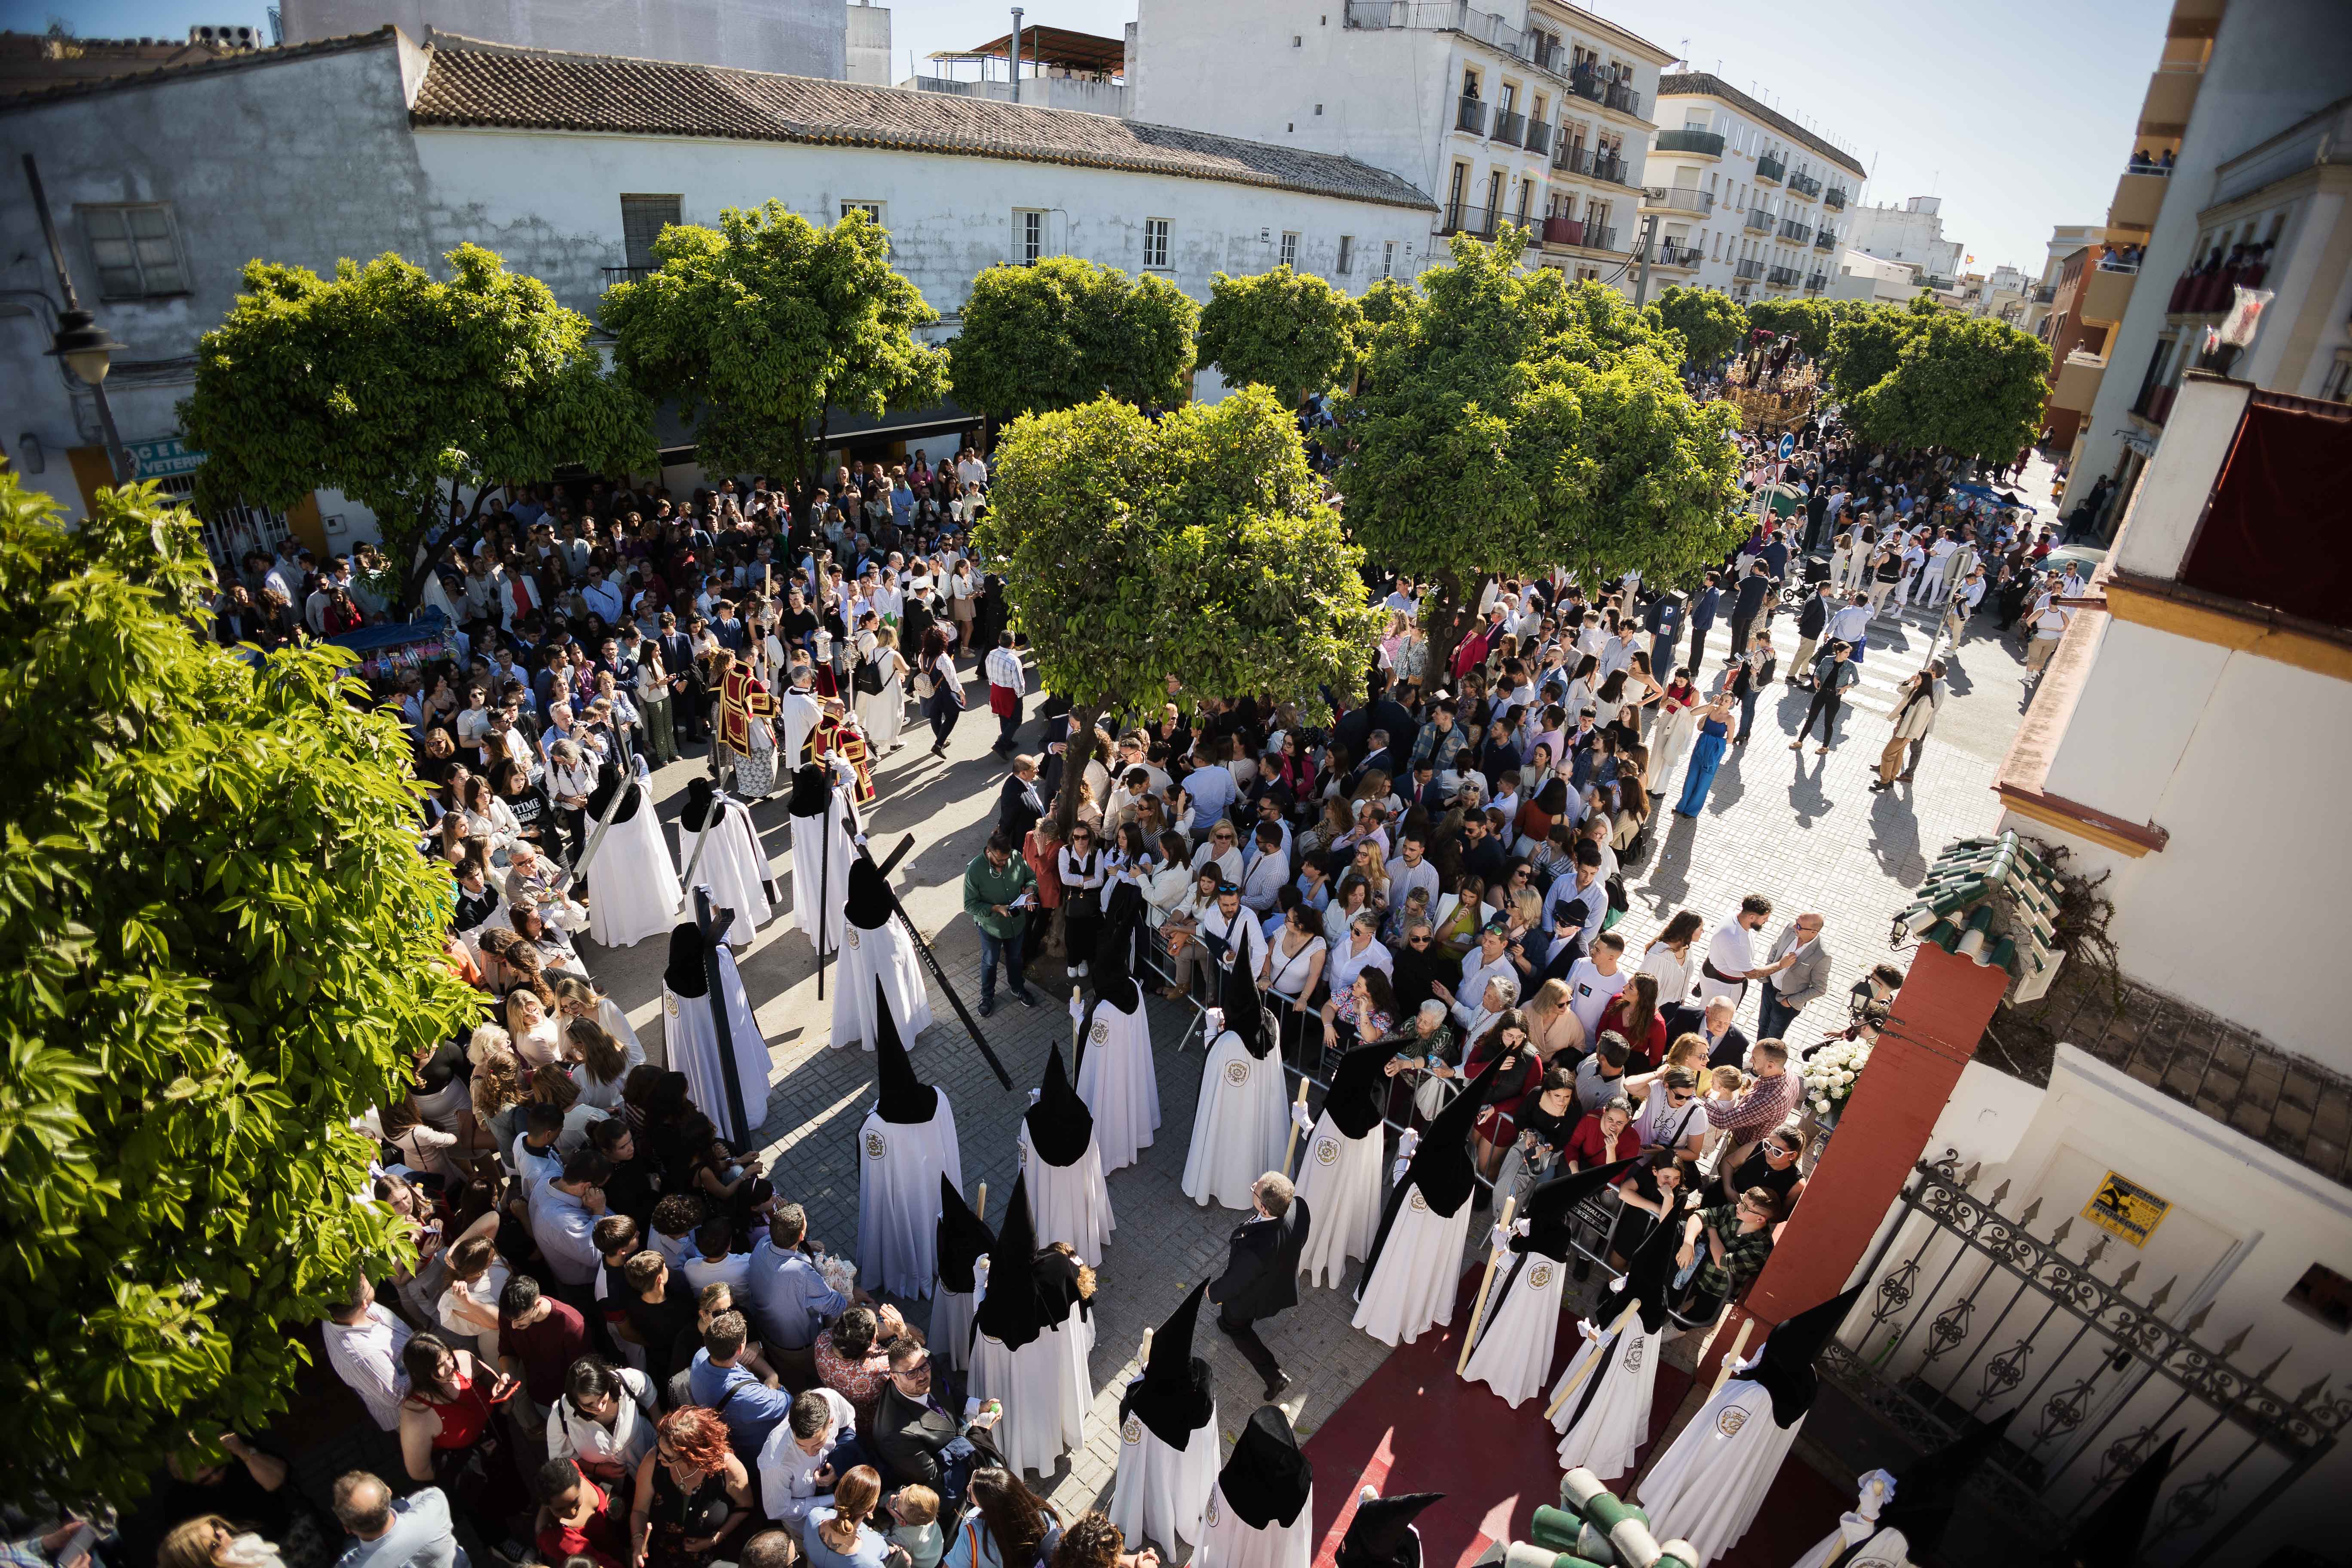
x=471 y=83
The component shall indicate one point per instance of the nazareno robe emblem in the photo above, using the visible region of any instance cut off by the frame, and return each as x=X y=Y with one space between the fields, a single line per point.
x=1731 y=1421
x=1538 y=1277
x=1327 y=1151
x=875 y=1145
x=1133 y=1431
x=1237 y=1073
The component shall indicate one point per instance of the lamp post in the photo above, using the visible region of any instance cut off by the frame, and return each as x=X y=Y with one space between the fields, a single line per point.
x=86 y=348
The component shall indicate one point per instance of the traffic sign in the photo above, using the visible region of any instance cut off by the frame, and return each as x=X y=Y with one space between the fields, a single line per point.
x=1788 y=446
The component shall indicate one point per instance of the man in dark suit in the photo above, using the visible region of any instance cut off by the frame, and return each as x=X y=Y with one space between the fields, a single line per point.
x=1755 y=594
x=1387 y=712
x=920 y=1442
x=1703 y=612
x=1726 y=1045
x=1261 y=1275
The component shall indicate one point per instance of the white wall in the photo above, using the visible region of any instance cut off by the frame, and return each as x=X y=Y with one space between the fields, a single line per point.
x=802 y=37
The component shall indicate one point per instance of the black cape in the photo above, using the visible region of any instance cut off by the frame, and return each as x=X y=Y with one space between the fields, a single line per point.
x=1268 y=1478
x=1177 y=1393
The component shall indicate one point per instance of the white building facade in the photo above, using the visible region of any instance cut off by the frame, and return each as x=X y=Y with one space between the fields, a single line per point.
x=804 y=37
x=1748 y=200
x=1537 y=113
x=568 y=166
x=1912 y=234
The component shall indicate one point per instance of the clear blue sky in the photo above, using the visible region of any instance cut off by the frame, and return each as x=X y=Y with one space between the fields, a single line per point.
x=2018 y=114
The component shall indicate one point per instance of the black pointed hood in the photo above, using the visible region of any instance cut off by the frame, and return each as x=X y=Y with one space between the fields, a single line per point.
x=1009 y=1313
x=1243 y=1011
x=904 y=1099
x=1786 y=1367
x=2109 y=1536
x=1549 y=1205
x=1649 y=1272
x=869 y=903
x=1114 y=982
x=1441 y=1169
x=699 y=792
x=1927 y=1489
x=688 y=973
x=612 y=778
x=1267 y=1479
x=1061 y=1127
x=1360 y=1089
x=809 y=792
x=1176 y=1395
x=1381 y=1535
x=962 y=1237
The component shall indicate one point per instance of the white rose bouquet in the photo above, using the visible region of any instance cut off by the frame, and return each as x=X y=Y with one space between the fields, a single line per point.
x=1832 y=1072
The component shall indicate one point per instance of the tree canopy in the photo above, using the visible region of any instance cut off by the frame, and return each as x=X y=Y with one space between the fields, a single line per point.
x=1513 y=421
x=1863 y=346
x=217 y=946
x=763 y=326
x=1290 y=330
x=1965 y=384
x=1196 y=545
x=383 y=383
x=1711 y=323
x=1062 y=330
x=1808 y=321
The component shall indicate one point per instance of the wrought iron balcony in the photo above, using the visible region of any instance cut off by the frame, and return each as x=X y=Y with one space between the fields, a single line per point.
x=1791 y=229
x=1705 y=143
x=1817 y=283
x=1771 y=171
x=1679 y=199
x=1479 y=221
x=1471 y=115
x=1511 y=126
x=1600 y=238
x=1610 y=167
x=1623 y=98
x=1824 y=239
x=1539 y=137
x=1669 y=254
x=1806 y=187
x=627 y=274
x=1573 y=158
x=1834 y=198
x=1759 y=221
x=1781 y=277
x=2043 y=294
x=1745 y=270
x=1564 y=231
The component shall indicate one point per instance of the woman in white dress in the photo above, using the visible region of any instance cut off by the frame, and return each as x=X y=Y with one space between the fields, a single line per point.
x=1672 y=956
x=1677 y=722
x=1514 y=1353
x=1415 y=1269
x=1346 y=1152
x=1609 y=1378
x=1242 y=1119
x=1069 y=1200
x=1116 y=1076
x=1167 y=1447
x=881 y=684
x=1261 y=1513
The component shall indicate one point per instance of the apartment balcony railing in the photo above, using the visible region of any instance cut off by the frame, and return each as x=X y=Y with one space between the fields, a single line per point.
x=1746 y=271
x=1511 y=126
x=1610 y=167
x=1806 y=187
x=1759 y=221
x=2202 y=292
x=1479 y=221
x=2044 y=294
x=1623 y=100
x=1834 y=198
x=2154 y=404
x=1941 y=284
x=1600 y=238
x=1564 y=231
x=1815 y=283
x=1488 y=27
x=1705 y=143
x=1781 y=277
x=1470 y=115
x=1679 y=199
x=2143 y=166
x=627 y=274
x=1795 y=232
x=1539 y=137
x=1770 y=170
x=1824 y=239
x=1669 y=254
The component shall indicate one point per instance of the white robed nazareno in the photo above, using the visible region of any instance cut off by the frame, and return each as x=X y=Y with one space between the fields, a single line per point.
x=1414 y=1281
x=633 y=890
x=1340 y=1181
x=951 y=1326
x=1068 y=1203
x=691 y=1042
x=734 y=868
x=898 y=1170
x=1240 y=1127
x=1708 y=1487
x=813 y=863
x=887 y=954
x=1607 y=1419
x=1160 y=1493
x=1515 y=1345
x=1228 y=1541
x=1045 y=1388
x=1120 y=1084
x=1876 y=1547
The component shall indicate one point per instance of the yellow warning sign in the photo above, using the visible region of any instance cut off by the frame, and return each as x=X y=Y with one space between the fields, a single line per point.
x=2123 y=1207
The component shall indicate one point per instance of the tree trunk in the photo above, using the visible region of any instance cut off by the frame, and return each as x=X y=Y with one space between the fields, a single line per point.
x=1074 y=771
x=1451 y=615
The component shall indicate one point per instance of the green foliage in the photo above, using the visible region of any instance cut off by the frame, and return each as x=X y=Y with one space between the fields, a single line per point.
x=1288 y=331
x=1197 y=545
x=1864 y=347
x=1062 y=331
x=1712 y=324
x=760 y=326
x=1513 y=421
x=219 y=945
x=1811 y=321
x=1384 y=302
x=383 y=383
x=1965 y=384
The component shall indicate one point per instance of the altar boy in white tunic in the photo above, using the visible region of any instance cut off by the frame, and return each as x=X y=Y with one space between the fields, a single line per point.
x=907 y=1145
x=1069 y=1200
x=1117 y=1076
x=690 y=1033
x=1515 y=1345
x=1031 y=1336
x=963 y=1239
x=1613 y=1372
x=1709 y=1485
x=1243 y=1121
x=1262 y=1512
x=878 y=957
x=1346 y=1153
x=1167 y=1438
x=1415 y=1269
x=820 y=870
x=732 y=865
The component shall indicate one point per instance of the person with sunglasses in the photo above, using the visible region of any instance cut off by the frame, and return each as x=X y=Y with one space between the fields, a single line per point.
x=1723 y=1249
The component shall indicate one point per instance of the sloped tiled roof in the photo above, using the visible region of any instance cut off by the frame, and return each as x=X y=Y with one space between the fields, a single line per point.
x=1706 y=84
x=471 y=83
x=210 y=65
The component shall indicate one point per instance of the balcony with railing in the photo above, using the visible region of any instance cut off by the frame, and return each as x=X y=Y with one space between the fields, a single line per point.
x=1470 y=115
x=1816 y=282
x=2042 y=293
x=1683 y=257
x=627 y=274
x=1679 y=199
x=1480 y=222
x=1835 y=198
x=1623 y=98
x=1780 y=278
x=1941 y=285
x=1599 y=238
x=1609 y=168
x=1794 y=232
x=1771 y=171
x=1539 y=137
x=1564 y=231
x=1824 y=239
x=1746 y=272
x=1511 y=126
x=1805 y=186
x=1759 y=221
x=2154 y=404
x=1699 y=143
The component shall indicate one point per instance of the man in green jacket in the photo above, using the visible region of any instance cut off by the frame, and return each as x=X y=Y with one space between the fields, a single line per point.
x=998 y=893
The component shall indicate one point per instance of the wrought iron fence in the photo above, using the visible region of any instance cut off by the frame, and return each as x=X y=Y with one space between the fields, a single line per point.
x=1973 y=1313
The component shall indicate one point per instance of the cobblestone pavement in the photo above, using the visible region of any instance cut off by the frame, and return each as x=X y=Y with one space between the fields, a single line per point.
x=1806 y=831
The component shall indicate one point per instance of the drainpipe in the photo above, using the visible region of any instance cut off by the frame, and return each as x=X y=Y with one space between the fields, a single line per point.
x=1016 y=54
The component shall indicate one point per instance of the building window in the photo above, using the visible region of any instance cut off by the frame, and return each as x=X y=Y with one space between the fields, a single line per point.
x=135 y=251
x=642 y=220
x=1289 y=256
x=1347 y=255
x=871 y=209
x=1388 y=262
x=1155 y=241
x=1028 y=234
x=2323 y=1294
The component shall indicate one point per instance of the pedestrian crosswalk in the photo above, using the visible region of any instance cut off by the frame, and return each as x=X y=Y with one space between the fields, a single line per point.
x=1896 y=648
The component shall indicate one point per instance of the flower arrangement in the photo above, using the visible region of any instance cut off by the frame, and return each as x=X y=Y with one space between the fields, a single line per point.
x=1832 y=1072
x=840 y=1273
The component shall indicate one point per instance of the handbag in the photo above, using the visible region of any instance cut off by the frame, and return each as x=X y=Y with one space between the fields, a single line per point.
x=869 y=677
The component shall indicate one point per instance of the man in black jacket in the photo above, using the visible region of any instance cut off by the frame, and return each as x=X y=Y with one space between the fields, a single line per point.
x=1810 y=618
x=1261 y=1276
x=1727 y=1043
x=1755 y=594
x=919 y=1441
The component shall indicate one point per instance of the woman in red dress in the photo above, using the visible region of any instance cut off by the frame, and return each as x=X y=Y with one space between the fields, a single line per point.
x=1632 y=1014
x=449 y=1432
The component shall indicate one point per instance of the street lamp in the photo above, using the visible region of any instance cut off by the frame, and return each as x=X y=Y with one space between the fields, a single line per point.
x=86 y=348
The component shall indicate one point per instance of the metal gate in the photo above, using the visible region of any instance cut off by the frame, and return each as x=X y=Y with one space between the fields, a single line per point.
x=230 y=531
x=1973 y=1313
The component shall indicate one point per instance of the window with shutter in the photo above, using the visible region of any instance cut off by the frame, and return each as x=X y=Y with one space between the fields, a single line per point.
x=642 y=220
x=135 y=251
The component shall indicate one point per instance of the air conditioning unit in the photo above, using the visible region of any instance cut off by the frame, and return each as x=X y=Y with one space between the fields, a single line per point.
x=225 y=38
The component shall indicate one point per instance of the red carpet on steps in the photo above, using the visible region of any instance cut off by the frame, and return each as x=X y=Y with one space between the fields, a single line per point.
x=1414 y=1427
